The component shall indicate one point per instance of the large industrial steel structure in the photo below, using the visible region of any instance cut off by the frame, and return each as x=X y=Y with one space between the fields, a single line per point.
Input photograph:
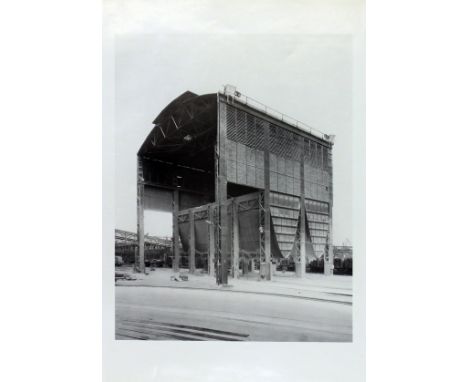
x=246 y=185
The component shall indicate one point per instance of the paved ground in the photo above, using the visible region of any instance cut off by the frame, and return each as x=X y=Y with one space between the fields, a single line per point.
x=154 y=307
x=313 y=286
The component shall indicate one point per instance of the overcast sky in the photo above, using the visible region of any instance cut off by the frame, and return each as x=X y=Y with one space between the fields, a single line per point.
x=308 y=77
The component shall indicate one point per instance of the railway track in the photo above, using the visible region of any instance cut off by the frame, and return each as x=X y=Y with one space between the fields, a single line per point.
x=154 y=330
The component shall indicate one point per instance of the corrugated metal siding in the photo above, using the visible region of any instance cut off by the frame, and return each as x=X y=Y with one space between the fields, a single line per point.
x=246 y=133
x=246 y=144
x=317 y=181
x=285 y=175
x=245 y=165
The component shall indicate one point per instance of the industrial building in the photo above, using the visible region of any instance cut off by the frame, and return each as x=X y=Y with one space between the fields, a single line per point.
x=156 y=248
x=247 y=186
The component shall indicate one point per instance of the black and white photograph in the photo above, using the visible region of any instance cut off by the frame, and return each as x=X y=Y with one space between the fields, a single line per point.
x=233 y=188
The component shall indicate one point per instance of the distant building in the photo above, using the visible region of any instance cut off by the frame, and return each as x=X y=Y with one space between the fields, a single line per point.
x=156 y=248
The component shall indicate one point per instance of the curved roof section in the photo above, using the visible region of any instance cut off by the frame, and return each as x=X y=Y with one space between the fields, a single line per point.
x=185 y=132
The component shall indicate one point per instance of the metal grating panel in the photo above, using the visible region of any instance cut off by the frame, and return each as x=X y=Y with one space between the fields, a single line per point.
x=245 y=128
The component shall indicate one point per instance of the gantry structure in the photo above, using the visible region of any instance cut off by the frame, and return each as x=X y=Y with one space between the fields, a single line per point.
x=245 y=185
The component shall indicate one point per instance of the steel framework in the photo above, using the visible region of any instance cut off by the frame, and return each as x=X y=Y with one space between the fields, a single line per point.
x=208 y=153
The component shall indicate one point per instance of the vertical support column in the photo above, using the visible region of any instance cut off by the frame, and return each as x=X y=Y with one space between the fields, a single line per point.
x=192 y=243
x=216 y=216
x=235 y=240
x=328 y=265
x=301 y=264
x=135 y=265
x=211 y=234
x=266 y=201
x=140 y=260
x=261 y=235
x=175 y=231
x=222 y=253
